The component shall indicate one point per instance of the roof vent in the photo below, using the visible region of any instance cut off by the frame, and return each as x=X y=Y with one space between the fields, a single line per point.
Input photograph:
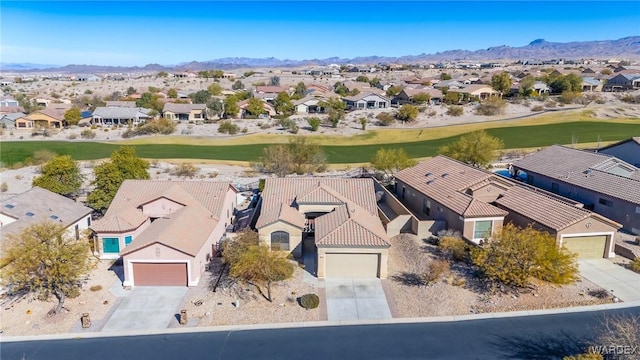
x=29 y=213
x=428 y=174
x=445 y=175
x=429 y=182
x=54 y=217
x=9 y=206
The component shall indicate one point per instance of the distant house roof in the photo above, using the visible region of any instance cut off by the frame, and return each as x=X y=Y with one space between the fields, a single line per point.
x=38 y=204
x=271 y=89
x=183 y=108
x=544 y=209
x=129 y=104
x=590 y=81
x=477 y=89
x=434 y=93
x=600 y=173
x=363 y=95
x=13 y=116
x=120 y=113
x=446 y=181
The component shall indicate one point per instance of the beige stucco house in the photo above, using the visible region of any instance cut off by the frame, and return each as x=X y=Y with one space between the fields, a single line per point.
x=184 y=112
x=334 y=220
x=165 y=231
x=477 y=203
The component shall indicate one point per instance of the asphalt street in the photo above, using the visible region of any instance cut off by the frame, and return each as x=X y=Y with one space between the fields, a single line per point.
x=526 y=337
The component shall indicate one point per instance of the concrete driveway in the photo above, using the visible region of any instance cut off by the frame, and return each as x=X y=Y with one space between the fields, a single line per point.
x=625 y=284
x=356 y=299
x=147 y=308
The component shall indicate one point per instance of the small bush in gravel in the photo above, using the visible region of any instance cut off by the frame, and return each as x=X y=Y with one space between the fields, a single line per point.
x=635 y=265
x=537 y=108
x=491 y=106
x=363 y=123
x=453 y=248
x=4 y=187
x=455 y=110
x=72 y=136
x=314 y=123
x=385 y=118
x=184 y=170
x=227 y=127
x=309 y=301
x=599 y=293
x=87 y=134
x=437 y=269
x=95 y=288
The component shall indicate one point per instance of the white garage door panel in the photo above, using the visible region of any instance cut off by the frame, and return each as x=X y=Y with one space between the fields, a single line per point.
x=587 y=247
x=352 y=265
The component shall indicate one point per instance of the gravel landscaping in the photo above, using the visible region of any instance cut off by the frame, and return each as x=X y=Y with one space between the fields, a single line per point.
x=462 y=293
x=28 y=316
x=217 y=308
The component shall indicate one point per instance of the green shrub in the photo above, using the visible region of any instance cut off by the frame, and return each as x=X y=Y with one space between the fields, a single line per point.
x=455 y=110
x=87 y=134
x=635 y=265
x=314 y=123
x=309 y=301
x=491 y=106
x=407 y=113
x=227 y=127
x=363 y=123
x=42 y=156
x=184 y=170
x=453 y=247
x=160 y=126
x=569 y=97
x=385 y=118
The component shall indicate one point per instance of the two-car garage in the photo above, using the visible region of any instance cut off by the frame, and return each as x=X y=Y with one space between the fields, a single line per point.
x=341 y=265
x=159 y=274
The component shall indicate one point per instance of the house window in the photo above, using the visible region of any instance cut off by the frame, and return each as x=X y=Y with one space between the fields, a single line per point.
x=529 y=179
x=605 y=202
x=198 y=116
x=88 y=221
x=280 y=240
x=77 y=229
x=127 y=240
x=426 y=207
x=554 y=188
x=110 y=245
x=482 y=229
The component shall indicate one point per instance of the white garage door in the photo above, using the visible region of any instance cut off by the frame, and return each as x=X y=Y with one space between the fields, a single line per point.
x=587 y=247
x=352 y=265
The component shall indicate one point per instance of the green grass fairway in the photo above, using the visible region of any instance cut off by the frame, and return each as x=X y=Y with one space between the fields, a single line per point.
x=514 y=137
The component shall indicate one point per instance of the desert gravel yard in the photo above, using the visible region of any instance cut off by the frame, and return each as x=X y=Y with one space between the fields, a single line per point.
x=409 y=255
x=29 y=316
x=217 y=308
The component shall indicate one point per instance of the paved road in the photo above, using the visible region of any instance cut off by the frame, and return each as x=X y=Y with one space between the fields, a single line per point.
x=530 y=337
x=621 y=282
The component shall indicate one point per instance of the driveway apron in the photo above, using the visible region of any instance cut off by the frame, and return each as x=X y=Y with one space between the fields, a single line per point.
x=356 y=299
x=623 y=283
x=147 y=308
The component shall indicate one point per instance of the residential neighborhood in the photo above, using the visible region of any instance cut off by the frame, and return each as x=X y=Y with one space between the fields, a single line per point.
x=220 y=188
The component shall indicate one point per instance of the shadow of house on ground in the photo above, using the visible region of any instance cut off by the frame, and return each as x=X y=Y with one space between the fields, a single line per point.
x=118 y=269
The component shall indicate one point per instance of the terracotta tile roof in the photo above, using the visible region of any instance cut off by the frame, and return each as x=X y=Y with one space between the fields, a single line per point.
x=597 y=172
x=291 y=215
x=183 y=108
x=350 y=225
x=544 y=209
x=134 y=193
x=185 y=230
x=127 y=219
x=445 y=181
x=279 y=191
x=271 y=89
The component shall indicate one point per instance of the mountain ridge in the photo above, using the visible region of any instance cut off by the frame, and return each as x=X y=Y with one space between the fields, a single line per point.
x=538 y=49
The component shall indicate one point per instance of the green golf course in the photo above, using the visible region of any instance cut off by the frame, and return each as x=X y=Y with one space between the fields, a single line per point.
x=514 y=137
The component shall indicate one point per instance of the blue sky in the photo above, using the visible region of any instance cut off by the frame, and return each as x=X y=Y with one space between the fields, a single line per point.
x=168 y=32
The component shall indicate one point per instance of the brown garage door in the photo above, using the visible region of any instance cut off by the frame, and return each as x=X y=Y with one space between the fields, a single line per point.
x=352 y=265
x=587 y=247
x=160 y=274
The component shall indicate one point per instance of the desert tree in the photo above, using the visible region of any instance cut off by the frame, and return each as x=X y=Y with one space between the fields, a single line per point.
x=501 y=82
x=44 y=261
x=283 y=104
x=231 y=107
x=477 y=148
x=274 y=81
x=255 y=107
x=215 y=107
x=407 y=113
x=60 y=175
x=526 y=85
x=391 y=161
x=515 y=255
x=72 y=116
x=200 y=97
x=122 y=165
x=172 y=93
x=256 y=264
x=421 y=98
x=214 y=89
x=298 y=156
x=237 y=85
x=300 y=90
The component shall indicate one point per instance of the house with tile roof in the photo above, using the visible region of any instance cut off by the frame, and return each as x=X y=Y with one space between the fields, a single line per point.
x=366 y=100
x=477 y=203
x=119 y=115
x=50 y=117
x=626 y=150
x=165 y=231
x=622 y=82
x=332 y=220
x=8 y=121
x=406 y=95
x=184 y=112
x=37 y=205
x=603 y=183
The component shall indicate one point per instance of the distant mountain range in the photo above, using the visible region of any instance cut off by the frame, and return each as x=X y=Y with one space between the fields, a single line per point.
x=628 y=47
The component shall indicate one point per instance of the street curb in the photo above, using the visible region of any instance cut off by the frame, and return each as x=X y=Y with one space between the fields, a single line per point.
x=230 y=328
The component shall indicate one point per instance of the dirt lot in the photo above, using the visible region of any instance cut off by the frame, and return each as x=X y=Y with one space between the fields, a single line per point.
x=218 y=308
x=29 y=316
x=409 y=255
